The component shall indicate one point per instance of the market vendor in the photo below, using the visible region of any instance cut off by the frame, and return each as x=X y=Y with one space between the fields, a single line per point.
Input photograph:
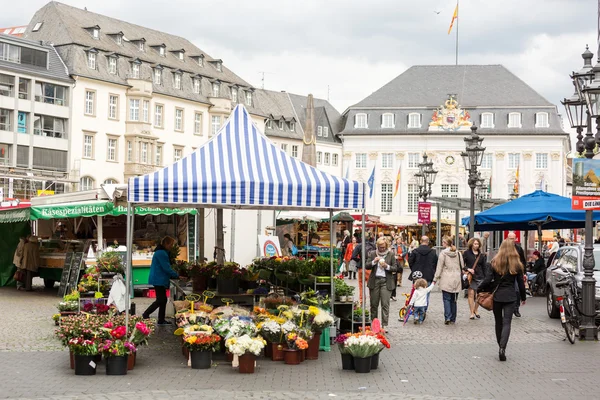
x=314 y=238
x=160 y=273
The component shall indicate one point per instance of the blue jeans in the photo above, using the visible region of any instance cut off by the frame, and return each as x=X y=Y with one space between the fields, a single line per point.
x=419 y=313
x=449 y=306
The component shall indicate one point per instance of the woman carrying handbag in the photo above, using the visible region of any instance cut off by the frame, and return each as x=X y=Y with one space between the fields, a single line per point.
x=506 y=269
x=475 y=268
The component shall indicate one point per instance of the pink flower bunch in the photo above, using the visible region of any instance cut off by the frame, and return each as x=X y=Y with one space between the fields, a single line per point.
x=140 y=326
x=118 y=332
x=109 y=325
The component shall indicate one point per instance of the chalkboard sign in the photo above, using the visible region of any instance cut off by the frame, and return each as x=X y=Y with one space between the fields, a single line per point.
x=64 y=279
x=75 y=269
x=191 y=237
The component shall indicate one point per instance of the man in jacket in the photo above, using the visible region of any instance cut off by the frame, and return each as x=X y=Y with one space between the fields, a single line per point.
x=511 y=236
x=423 y=261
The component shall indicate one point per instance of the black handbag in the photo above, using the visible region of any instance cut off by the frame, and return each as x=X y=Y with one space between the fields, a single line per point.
x=464 y=277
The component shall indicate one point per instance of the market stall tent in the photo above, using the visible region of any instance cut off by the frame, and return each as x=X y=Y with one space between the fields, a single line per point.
x=241 y=168
x=14 y=224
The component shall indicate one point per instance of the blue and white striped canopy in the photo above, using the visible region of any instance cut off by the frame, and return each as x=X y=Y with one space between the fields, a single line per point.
x=241 y=168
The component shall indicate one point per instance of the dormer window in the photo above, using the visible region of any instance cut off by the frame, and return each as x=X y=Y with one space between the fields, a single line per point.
x=141 y=44
x=91 y=59
x=360 y=121
x=119 y=39
x=234 y=94
x=161 y=51
x=292 y=126
x=196 y=85
x=180 y=55
x=216 y=88
x=541 y=120
x=200 y=61
x=177 y=80
x=281 y=124
x=96 y=33
x=270 y=123
x=135 y=70
x=157 y=76
x=487 y=120
x=219 y=66
x=248 y=98
x=112 y=65
x=514 y=120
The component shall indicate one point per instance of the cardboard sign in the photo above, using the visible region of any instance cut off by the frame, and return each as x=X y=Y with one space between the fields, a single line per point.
x=424 y=216
x=64 y=278
x=269 y=246
x=586 y=184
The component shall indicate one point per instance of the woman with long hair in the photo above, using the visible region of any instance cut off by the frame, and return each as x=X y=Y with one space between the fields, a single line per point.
x=475 y=266
x=448 y=277
x=506 y=270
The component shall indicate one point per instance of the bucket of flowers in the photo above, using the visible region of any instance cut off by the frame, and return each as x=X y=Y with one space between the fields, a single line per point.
x=347 y=359
x=362 y=347
x=292 y=355
x=84 y=351
x=116 y=351
x=201 y=345
x=271 y=331
x=228 y=277
x=246 y=348
x=320 y=320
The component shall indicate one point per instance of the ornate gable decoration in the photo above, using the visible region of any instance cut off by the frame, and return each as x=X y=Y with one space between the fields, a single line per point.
x=450 y=117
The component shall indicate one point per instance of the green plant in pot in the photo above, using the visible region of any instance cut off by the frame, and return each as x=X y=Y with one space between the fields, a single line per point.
x=228 y=276
x=110 y=262
x=357 y=314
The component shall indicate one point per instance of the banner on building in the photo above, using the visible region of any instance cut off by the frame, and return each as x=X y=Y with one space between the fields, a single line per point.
x=424 y=216
x=586 y=184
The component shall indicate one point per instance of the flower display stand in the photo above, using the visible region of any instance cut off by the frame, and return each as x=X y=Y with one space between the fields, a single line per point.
x=347 y=362
x=325 y=341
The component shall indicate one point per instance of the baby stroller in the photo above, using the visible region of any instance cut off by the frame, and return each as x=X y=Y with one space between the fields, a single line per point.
x=402 y=313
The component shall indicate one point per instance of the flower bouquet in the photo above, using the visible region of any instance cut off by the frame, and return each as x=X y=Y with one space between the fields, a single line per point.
x=200 y=341
x=362 y=348
x=68 y=306
x=246 y=348
x=271 y=331
x=140 y=334
x=110 y=262
x=321 y=321
x=293 y=355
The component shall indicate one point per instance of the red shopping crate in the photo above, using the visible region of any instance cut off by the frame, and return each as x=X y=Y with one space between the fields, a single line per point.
x=151 y=293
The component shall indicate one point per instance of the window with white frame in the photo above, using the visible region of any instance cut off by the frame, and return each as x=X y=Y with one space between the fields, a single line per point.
x=178 y=119
x=387 y=120
x=487 y=120
x=10 y=52
x=111 y=149
x=129 y=151
x=219 y=67
x=513 y=160
x=234 y=94
x=360 y=121
x=414 y=120
x=541 y=184
x=325 y=131
x=294 y=151
x=158 y=115
x=88 y=146
x=144 y=152
x=334 y=159
x=141 y=45
x=110 y=181
x=177 y=154
x=119 y=39
x=319 y=157
x=113 y=106
x=180 y=54
x=216 y=89
x=215 y=124
x=112 y=65
x=327 y=158
x=449 y=190
x=486 y=161
x=87 y=183
x=157 y=76
x=197 y=123
x=387 y=160
x=514 y=120
x=177 y=81
x=96 y=33
x=541 y=160
x=248 y=98
x=90 y=98
x=386 y=197
x=196 y=85
x=146 y=111
x=319 y=131
x=6 y=119
x=269 y=124
x=541 y=120
x=412 y=191
x=413 y=160
x=292 y=126
x=281 y=123
x=361 y=160
x=91 y=60
x=159 y=152
x=134 y=109
x=135 y=70
x=284 y=147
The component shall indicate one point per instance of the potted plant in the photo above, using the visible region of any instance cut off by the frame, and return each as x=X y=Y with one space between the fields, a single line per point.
x=362 y=348
x=109 y=264
x=320 y=321
x=199 y=273
x=116 y=351
x=228 y=276
x=246 y=348
x=357 y=314
x=84 y=351
x=201 y=345
x=292 y=355
x=350 y=293
x=271 y=331
x=347 y=359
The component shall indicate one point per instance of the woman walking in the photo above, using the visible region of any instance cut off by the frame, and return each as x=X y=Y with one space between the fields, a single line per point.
x=475 y=266
x=350 y=264
x=382 y=263
x=448 y=278
x=501 y=278
x=160 y=273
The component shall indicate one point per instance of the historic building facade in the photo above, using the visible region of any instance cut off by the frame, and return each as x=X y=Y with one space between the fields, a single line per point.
x=431 y=109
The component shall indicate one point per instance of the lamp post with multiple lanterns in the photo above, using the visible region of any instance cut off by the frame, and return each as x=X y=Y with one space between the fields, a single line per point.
x=473 y=157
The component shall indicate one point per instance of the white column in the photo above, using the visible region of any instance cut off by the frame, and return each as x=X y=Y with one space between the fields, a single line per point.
x=100 y=235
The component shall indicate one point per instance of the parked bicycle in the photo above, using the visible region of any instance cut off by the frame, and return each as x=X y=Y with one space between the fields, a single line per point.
x=568 y=304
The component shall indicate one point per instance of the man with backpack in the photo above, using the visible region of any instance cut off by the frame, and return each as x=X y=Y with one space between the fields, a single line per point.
x=423 y=262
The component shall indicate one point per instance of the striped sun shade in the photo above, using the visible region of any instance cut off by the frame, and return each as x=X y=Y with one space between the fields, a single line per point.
x=241 y=168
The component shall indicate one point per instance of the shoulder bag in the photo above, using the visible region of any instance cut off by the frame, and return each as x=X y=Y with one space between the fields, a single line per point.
x=470 y=275
x=486 y=299
x=464 y=277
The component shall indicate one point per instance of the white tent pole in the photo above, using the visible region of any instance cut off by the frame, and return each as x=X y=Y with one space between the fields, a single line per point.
x=100 y=235
x=258 y=232
x=128 y=269
x=362 y=260
x=232 y=241
x=220 y=241
x=331 y=240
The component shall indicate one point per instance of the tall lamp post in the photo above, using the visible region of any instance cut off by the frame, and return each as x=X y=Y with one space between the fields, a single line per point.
x=581 y=108
x=472 y=157
x=425 y=179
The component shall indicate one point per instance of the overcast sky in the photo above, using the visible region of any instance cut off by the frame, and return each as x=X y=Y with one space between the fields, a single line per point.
x=354 y=47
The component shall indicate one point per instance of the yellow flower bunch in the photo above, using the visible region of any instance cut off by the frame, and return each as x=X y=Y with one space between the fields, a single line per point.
x=313 y=310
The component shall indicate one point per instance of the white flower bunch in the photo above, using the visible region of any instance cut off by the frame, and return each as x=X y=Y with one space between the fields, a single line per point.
x=245 y=344
x=363 y=346
x=239 y=327
x=322 y=320
x=271 y=327
x=288 y=327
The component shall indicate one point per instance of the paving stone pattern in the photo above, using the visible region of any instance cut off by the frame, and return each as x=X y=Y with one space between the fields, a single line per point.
x=429 y=361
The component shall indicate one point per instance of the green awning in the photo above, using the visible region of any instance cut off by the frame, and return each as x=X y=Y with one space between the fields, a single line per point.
x=121 y=210
x=17 y=215
x=72 y=210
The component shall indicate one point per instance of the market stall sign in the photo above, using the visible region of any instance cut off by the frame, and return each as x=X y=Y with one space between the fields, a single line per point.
x=18 y=215
x=122 y=210
x=72 y=210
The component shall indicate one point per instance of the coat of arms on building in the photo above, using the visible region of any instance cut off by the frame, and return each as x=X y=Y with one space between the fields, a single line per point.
x=450 y=117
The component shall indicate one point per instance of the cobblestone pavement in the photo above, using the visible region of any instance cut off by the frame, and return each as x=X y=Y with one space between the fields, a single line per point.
x=429 y=361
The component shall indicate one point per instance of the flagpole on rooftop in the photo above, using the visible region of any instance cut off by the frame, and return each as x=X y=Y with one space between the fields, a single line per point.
x=457 y=22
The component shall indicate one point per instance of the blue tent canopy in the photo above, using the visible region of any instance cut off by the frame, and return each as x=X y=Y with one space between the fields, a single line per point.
x=241 y=168
x=547 y=210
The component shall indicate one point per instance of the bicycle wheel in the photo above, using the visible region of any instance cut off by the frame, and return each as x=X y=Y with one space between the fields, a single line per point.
x=402 y=312
x=570 y=331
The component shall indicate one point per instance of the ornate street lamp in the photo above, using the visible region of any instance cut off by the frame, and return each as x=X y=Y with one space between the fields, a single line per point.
x=586 y=100
x=473 y=157
x=425 y=179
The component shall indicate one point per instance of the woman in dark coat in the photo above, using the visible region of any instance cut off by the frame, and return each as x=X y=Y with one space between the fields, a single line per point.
x=506 y=271
x=475 y=264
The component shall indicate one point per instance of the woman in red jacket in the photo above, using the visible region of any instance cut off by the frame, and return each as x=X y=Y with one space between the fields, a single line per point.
x=350 y=265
